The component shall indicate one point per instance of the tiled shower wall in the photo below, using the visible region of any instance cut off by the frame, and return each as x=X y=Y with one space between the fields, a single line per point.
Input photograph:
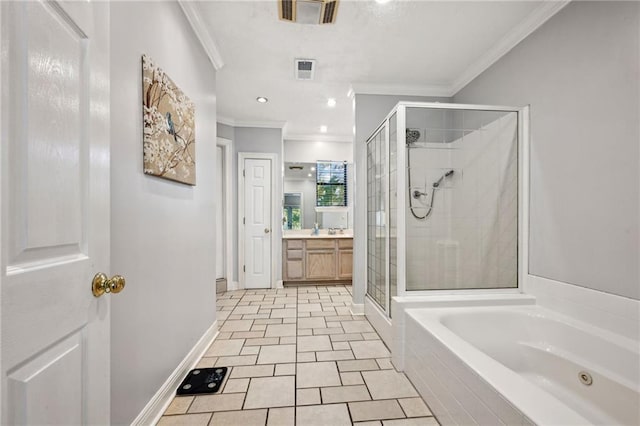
x=470 y=238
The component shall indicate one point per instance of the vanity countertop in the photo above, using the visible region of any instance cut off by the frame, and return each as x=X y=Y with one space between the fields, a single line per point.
x=305 y=234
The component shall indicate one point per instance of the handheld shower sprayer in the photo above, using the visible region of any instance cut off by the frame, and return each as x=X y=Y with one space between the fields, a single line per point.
x=417 y=194
x=437 y=183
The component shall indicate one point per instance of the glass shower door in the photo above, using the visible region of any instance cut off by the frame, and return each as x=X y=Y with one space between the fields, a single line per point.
x=376 y=217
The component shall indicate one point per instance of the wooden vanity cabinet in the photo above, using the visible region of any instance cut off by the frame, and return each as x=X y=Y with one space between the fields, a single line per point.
x=345 y=259
x=294 y=261
x=317 y=260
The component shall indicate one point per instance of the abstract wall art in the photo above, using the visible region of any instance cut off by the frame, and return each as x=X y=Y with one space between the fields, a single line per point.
x=169 y=127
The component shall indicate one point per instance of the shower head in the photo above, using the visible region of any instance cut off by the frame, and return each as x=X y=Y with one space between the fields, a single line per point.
x=437 y=183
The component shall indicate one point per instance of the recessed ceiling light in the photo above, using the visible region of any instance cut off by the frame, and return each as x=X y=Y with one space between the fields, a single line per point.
x=331 y=102
x=309 y=175
x=323 y=129
x=313 y=169
x=262 y=99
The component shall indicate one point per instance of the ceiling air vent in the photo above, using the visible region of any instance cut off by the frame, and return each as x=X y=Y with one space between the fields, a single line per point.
x=329 y=10
x=308 y=11
x=287 y=9
x=305 y=69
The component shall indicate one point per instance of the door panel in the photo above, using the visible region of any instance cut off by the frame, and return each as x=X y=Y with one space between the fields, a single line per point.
x=257 y=214
x=54 y=197
x=30 y=386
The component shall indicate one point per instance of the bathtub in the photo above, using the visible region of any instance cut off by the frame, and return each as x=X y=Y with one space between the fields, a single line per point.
x=520 y=365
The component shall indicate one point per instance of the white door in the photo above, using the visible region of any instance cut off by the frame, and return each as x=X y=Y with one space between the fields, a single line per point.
x=221 y=255
x=54 y=197
x=257 y=223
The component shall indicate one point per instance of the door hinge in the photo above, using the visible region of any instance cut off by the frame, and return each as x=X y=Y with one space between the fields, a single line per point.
x=243 y=220
x=243 y=173
x=244 y=268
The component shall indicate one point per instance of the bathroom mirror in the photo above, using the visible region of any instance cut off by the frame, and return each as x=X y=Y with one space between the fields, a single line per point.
x=305 y=187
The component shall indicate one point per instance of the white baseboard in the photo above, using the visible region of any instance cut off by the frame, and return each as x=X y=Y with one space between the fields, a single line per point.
x=152 y=412
x=232 y=285
x=279 y=284
x=357 y=309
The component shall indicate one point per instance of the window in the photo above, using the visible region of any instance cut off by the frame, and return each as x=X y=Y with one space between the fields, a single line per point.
x=292 y=214
x=331 y=184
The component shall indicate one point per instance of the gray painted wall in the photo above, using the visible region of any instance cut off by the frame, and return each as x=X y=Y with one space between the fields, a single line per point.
x=370 y=110
x=253 y=139
x=162 y=235
x=580 y=74
x=225 y=131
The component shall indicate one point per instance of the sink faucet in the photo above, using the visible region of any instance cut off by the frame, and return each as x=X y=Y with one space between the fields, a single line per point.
x=332 y=231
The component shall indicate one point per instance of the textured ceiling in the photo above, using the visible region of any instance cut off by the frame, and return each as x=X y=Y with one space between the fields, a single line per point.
x=399 y=43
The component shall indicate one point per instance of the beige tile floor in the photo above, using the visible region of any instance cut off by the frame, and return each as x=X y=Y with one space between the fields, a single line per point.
x=298 y=357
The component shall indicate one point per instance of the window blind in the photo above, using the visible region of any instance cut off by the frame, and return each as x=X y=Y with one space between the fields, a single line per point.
x=331 y=184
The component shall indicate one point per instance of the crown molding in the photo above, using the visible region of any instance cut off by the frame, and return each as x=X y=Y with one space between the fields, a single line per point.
x=194 y=16
x=261 y=124
x=318 y=138
x=248 y=123
x=399 y=89
x=225 y=120
x=531 y=23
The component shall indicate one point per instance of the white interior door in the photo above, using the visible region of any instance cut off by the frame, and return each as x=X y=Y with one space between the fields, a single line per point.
x=257 y=223
x=54 y=231
x=221 y=254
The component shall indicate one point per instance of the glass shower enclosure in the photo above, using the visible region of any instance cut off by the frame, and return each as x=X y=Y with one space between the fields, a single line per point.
x=444 y=210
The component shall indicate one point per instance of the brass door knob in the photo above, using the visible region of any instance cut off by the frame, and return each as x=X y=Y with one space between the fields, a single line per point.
x=267 y=230
x=101 y=284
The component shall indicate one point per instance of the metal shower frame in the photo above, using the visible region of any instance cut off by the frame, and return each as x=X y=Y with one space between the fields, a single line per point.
x=401 y=181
